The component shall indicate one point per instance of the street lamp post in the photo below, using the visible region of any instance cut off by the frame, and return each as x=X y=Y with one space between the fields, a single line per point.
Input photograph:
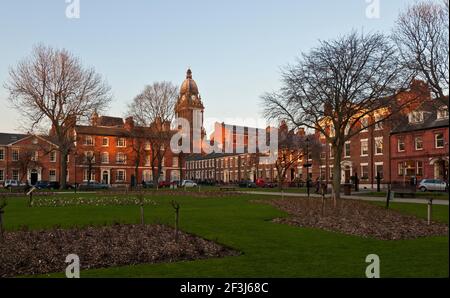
x=75 y=171
x=307 y=165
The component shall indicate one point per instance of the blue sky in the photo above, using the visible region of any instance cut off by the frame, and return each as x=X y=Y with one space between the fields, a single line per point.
x=235 y=47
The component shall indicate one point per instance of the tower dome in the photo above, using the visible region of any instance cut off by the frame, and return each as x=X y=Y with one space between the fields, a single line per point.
x=189 y=87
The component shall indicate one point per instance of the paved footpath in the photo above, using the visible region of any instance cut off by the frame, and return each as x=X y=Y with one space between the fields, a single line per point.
x=362 y=198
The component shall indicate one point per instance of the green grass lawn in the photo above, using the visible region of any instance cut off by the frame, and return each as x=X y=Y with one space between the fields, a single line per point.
x=418 y=194
x=268 y=249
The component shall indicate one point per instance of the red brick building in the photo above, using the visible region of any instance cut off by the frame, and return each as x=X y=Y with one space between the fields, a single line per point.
x=28 y=158
x=111 y=149
x=419 y=145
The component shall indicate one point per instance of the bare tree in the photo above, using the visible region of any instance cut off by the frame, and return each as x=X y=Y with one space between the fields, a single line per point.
x=422 y=37
x=335 y=86
x=51 y=87
x=292 y=148
x=139 y=142
x=89 y=160
x=27 y=159
x=153 y=108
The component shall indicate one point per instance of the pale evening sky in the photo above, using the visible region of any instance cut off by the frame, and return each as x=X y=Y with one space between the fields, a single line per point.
x=235 y=48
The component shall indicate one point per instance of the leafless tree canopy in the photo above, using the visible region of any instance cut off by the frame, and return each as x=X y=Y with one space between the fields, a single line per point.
x=51 y=87
x=153 y=108
x=155 y=103
x=422 y=37
x=341 y=81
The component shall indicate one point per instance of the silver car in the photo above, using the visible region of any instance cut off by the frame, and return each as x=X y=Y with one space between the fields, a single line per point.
x=188 y=183
x=432 y=184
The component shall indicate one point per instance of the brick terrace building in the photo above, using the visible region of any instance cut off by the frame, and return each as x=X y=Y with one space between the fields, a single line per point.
x=111 y=143
x=420 y=145
x=367 y=154
x=112 y=148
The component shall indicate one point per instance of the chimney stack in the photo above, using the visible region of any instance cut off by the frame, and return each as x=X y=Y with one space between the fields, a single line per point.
x=129 y=123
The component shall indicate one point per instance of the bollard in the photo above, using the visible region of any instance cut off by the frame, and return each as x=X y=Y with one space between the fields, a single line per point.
x=430 y=208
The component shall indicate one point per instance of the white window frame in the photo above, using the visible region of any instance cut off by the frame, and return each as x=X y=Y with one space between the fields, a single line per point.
x=51 y=178
x=121 y=161
x=85 y=175
x=415 y=117
x=436 y=140
x=417 y=167
x=107 y=158
x=378 y=125
x=442 y=113
x=13 y=174
x=365 y=164
x=367 y=142
x=2 y=174
x=119 y=141
x=415 y=143
x=13 y=151
x=375 y=168
x=331 y=151
x=86 y=142
x=2 y=155
x=375 y=143
x=52 y=156
x=107 y=142
x=349 y=149
x=401 y=141
x=364 y=124
x=124 y=175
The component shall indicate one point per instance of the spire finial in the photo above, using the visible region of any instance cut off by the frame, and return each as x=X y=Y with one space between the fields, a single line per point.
x=189 y=74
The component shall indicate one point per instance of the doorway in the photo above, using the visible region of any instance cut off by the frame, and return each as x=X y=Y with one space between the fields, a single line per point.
x=105 y=177
x=33 y=177
x=347 y=174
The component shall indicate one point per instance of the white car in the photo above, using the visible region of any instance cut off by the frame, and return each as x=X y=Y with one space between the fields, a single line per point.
x=432 y=184
x=11 y=183
x=188 y=183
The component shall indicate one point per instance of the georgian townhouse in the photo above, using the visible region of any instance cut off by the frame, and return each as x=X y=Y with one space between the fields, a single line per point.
x=28 y=158
x=368 y=153
x=110 y=150
x=420 y=145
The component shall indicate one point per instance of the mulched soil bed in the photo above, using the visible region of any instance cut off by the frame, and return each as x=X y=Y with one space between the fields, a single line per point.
x=356 y=218
x=41 y=252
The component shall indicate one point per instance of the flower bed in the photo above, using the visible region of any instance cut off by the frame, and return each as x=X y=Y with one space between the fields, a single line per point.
x=41 y=252
x=89 y=201
x=356 y=218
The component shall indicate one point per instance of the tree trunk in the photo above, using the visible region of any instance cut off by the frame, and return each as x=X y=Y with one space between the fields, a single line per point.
x=136 y=173
x=142 y=214
x=337 y=173
x=63 y=170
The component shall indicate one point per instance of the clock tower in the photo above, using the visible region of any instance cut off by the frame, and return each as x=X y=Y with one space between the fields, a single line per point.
x=190 y=107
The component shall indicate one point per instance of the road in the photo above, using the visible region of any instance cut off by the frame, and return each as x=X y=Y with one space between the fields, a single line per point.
x=374 y=199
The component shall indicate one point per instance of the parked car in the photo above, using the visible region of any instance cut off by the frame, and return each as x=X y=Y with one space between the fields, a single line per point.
x=148 y=184
x=47 y=185
x=94 y=185
x=188 y=183
x=11 y=183
x=264 y=184
x=247 y=183
x=42 y=184
x=163 y=184
x=432 y=185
